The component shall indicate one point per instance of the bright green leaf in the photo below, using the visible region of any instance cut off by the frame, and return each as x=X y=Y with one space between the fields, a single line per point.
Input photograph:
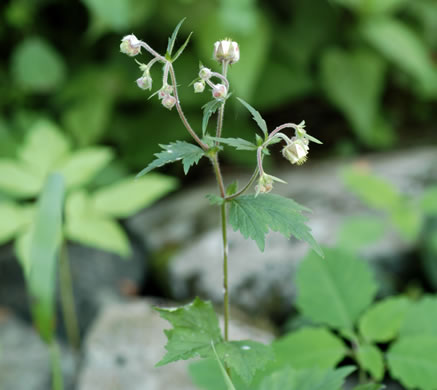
x=195 y=326
x=309 y=348
x=256 y=116
x=17 y=181
x=382 y=321
x=81 y=167
x=44 y=248
x=413 y=361
x=172 y=39
x=371 y=359
x=334 y=290
x=358 y=232
x=189 y=154
x=429 y=201
x=228 y=381
x=130 y=195
x=22 y=250
x=421 y=318
x=12 y=220
x=254 y=216
x=181 y=49
x=237 y=143
x=36 y=66
x=245 y=357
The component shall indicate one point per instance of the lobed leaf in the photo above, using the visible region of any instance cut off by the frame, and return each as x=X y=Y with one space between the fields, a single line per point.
x=254 y=216
x=256 y=116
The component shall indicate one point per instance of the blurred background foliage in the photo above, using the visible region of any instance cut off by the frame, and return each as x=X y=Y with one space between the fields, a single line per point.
x=362 y=73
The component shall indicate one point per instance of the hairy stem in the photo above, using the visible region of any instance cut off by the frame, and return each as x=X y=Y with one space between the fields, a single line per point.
x=225 y=270
x=222 y=107
x=67 y=299
x=181 y=113
x=57 y=381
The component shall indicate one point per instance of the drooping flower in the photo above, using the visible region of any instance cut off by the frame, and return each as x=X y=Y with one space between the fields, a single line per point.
x=168 y=101
x=296 y=151
x=145 y=81
x=219 y=91
x=130 y=45
x=205 y=73
x=199 y=86
x=265 y=183
x=226 y=50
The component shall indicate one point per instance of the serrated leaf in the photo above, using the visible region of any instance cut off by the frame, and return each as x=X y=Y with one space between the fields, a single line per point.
x=17 y=181
x=371 y=359
x=421 y=318
x=245 y=357
x=182 y=48
x=189 y=154
x=334 y=290
x=195 y=326
x=209 y=109
x=238 y=143
x=172 y=39
x=254 y=216
x=256 y=116
x=413 y=361
x=128 y=196
x=310 y=348
x=428 y=202
x=382 y=321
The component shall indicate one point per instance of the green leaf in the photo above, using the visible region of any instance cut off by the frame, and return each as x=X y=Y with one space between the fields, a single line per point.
x=256 y=116
x=421 y=318
x=238 y=143
x=413 y=361
x=82 y=166
x=129 y=196
x=44 y=248
x=228 y=381
x=189 y=154
x=17 y=181
x=369 y=386
x=371 y=359
x=245 y=357
x=310 y=348
x=334 y=290
x=382 y=321
x=358 y=232
x=401 y=45
x=428 y=202
x=172 y=39
x=195 y=326
x=12 y=220
x=36 y=66
x=354 y=81
x=215 y=199
x=232 y=188
x=373 y=6
x=206 y=374
x=182 y=48
x=209 y=109
x=254 y=216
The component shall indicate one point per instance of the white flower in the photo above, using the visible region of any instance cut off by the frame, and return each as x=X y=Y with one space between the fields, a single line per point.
x=130 y=45
x=169 y=101
x=226 y=50
x=219 y=91
x=296 y=151
x=205 y=73
x=265 y=183
x=145 y=82
x=199 y=86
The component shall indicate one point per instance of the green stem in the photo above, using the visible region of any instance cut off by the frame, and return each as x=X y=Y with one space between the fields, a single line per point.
x=225 y=270
x=57 y=381
x=222 y=107
x=246 y=187
x=67 y=299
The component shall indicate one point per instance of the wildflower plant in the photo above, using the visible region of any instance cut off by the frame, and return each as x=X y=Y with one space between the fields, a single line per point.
x=196 y=331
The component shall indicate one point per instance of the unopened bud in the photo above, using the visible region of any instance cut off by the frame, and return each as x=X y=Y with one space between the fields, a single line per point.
x=265 y=184
x=199 y=86
x=296 y=151
x=145 y=82
x=219 y=91
x=226 y=50
x=130 y=45
x=205 y=73
x=169 y=101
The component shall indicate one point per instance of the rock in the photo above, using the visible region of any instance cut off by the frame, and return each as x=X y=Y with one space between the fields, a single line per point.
x=125 y=343
x=261 y=283
x=25 y=360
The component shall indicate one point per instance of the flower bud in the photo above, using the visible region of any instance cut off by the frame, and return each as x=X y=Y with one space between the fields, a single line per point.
x=199 y=86
x=219 y=91
x=130 y=45
x=296 y=151
x=205 y=73
x=145 y=82
x=265 y=184
x=169 y=101
x=226 y=50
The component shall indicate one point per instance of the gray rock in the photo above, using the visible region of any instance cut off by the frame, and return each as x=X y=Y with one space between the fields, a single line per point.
x=25 y=360
x=125 y=343
x=262 y=282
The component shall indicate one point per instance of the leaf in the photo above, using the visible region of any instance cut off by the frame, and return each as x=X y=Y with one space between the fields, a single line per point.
x=81 y=167
x=128 y=196
x=401 y=45
x=189 y=154
x=428 y=202
x=12 y=220
x=254 y=216
x=228 y=381
x=182 y=48
x=238 y=143
x=413 y=361
x=209 y=109
x=206 y=374
x=373 y=6
x=232 y=188
x=310 y=348
x=354 y=81
x=371 y=359
x=256 y=117
x=172 y=39
x=336 y=290
x=195 y=326
x=382 y=321
x=358 y=232
x=245 y=357
x=22 y=250
x=421 y=318
x=17 y=181
x=36 y=66
x=44 y=248
x=214 y=199
x=370 y=386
